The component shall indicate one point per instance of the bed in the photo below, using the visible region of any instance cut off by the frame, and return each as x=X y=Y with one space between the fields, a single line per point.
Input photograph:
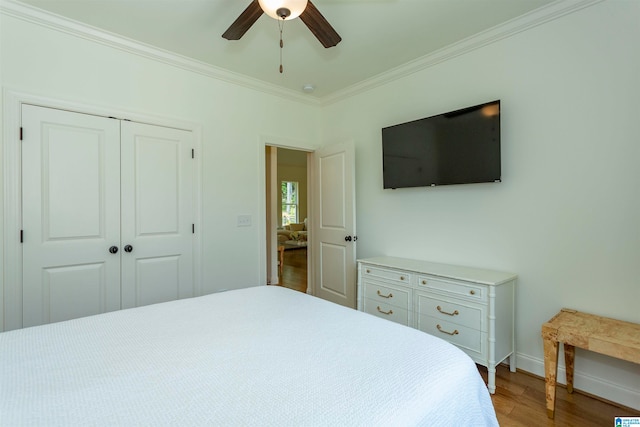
x=257 y=356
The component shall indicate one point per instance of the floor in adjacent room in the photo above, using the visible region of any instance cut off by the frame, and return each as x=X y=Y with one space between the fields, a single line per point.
x=294 y=269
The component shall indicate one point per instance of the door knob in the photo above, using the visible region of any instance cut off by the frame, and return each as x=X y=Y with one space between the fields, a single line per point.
x=113 y=249
x=347 y=239
x=128 y=248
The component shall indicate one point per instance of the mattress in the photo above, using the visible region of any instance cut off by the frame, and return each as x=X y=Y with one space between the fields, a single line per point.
x=257 y=356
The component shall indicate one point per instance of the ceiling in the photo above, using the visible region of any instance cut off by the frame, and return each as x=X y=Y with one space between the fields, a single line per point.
x=377 y=35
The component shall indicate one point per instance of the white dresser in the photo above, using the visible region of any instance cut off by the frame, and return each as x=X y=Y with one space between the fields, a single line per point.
x=469 y=307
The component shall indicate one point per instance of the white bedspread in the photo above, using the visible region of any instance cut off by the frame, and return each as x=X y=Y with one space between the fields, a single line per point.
x=257 y=356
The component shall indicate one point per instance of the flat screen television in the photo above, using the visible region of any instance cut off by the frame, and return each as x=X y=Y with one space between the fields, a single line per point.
x=459 y=147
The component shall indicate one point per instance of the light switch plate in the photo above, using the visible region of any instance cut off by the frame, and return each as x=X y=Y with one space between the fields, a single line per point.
x=244 y=220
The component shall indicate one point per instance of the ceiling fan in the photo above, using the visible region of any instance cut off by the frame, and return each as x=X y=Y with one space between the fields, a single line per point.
x=285 y=10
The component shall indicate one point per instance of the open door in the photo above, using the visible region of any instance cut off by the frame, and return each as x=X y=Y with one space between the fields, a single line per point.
x=334 y=233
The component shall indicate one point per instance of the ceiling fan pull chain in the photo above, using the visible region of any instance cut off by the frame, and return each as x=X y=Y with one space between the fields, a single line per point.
x=281 y=26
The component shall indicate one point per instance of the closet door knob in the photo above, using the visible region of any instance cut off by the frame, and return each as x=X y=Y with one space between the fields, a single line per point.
x=113 y=249
x=128 y=248
x=347 y=239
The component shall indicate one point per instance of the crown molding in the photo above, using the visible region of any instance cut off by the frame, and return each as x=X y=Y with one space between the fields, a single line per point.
x=500 y=32
x=55 y=22
x=495 y=34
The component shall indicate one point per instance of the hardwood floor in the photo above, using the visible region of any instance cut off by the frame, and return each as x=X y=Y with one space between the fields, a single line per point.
x=519 y=400
x=294 y=270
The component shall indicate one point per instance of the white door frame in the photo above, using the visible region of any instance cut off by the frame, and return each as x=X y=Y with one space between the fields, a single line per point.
x=271 y=172
x=11 y=251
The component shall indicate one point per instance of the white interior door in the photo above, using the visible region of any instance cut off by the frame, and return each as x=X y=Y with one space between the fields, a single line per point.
x=157 y=214
x=335 y=224
x=71 y=215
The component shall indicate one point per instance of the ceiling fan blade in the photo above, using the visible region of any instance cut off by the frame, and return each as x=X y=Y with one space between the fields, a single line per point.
x=244 y=21
x=319 y=26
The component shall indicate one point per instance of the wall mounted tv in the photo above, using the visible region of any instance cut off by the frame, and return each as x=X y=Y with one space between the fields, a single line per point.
x=459 y=147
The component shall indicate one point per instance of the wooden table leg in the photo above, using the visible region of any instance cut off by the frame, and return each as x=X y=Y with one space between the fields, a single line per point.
x=550 y=373
x=569 y=357
x=281 y=253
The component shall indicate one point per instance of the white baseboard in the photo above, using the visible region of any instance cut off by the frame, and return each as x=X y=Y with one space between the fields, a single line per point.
x=581 y=381
x=275 y=280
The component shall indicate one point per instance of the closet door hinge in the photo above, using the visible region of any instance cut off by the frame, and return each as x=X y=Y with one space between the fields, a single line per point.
x=21 y=236
x=193 y=153
x=193 y=229
x=20 y=133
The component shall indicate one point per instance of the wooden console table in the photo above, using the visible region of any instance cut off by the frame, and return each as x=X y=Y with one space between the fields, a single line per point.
x=594 y=333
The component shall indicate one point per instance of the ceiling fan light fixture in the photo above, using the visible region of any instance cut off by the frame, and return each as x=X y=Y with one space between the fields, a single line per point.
x=275 y=8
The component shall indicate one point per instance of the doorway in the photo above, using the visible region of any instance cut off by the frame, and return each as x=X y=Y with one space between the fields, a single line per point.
x=330 y=261
x=92 y=188
x=14 y=243
x=288 y=212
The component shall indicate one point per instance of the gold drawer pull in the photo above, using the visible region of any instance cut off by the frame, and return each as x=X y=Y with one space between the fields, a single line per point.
x=455 y=332
x=401 y=277
x=424 y=282
x=472 y=292
x=385 y=312
x=385 y=296
x=368 y=271
x=455 y=313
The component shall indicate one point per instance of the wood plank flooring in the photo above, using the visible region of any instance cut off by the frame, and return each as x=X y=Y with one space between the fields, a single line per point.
x=294 y=270
x=519 y=400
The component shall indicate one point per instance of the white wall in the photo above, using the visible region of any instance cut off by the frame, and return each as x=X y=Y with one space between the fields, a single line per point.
x=566 y=217
x=44 y=62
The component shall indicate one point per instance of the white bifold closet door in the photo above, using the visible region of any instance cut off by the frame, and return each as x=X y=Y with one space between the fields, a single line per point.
x=107 y=214
x=157 y=214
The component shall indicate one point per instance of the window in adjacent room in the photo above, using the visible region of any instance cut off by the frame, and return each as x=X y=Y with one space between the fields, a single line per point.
x=289 y=202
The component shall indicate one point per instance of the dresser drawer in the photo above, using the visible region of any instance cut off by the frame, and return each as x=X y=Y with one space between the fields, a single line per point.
x=458 y=289
x=387 y=294
x=472 y=341
x=387 y=311
x=387 y=274
x=460 y=312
